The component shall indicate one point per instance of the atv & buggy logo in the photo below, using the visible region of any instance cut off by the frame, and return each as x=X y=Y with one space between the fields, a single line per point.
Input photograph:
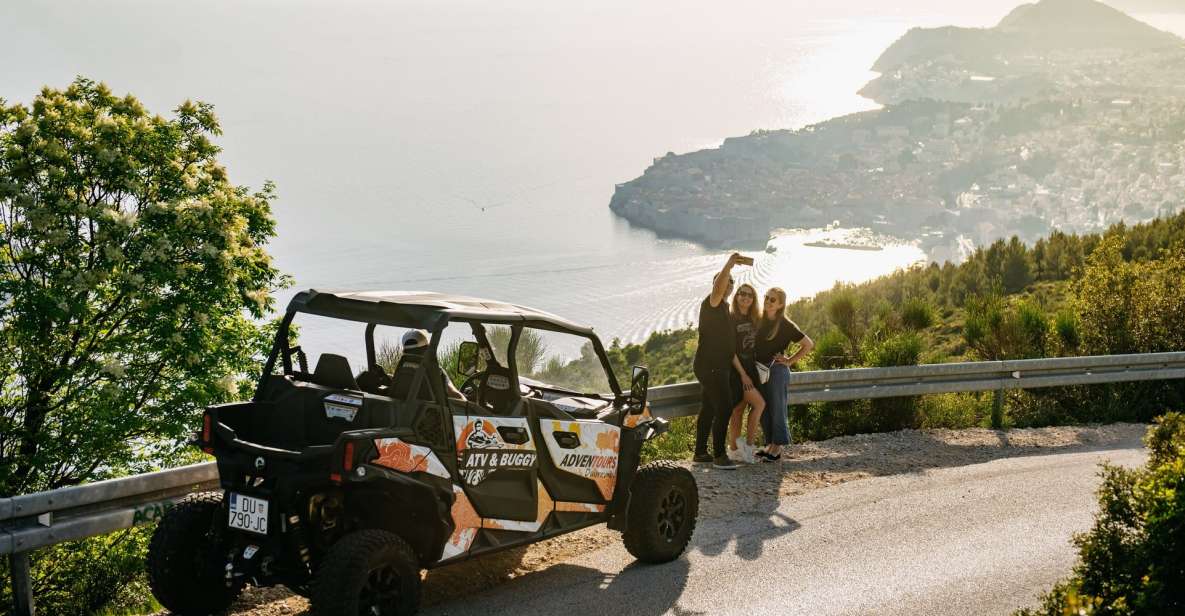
x=485 y=452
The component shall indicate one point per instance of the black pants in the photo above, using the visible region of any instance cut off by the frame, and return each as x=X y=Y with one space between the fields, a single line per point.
x=714 y=412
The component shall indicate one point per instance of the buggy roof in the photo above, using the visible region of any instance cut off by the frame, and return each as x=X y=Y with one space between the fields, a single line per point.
x=421 y=309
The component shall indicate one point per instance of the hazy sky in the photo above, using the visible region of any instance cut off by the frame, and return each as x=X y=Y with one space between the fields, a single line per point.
x=382 y=120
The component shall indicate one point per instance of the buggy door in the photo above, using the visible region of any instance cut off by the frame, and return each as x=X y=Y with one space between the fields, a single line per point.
x=498 y=463
x=496 y=453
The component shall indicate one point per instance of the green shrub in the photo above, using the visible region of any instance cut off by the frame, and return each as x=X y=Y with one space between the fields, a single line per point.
x=954 y=410
x=84 y=577
x=1065 y=327
x=831 y=351
x=917 y=314
x=820 y=421
x=1034 y=328
x=677 y=444
x=901 y=349
x=994 y=330
x=842 y=311
x=1133 y=558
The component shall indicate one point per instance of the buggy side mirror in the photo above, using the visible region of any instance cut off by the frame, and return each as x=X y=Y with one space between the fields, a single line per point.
x=467 y=354
x=639 y=387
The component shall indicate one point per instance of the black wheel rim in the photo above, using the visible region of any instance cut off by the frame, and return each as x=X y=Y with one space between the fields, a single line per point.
x=209 y=560
x=379 y=593
x=672 y=513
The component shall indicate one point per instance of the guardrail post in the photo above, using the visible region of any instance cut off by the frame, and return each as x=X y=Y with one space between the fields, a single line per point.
x=998 y=409
x=22 y=585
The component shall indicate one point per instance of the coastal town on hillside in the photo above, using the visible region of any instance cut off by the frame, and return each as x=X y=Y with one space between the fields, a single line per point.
x=1074 y=141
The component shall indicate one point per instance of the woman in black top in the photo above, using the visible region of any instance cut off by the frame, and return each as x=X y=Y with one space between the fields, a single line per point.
x=776 y=335
x=713 y=365
x=746 y=320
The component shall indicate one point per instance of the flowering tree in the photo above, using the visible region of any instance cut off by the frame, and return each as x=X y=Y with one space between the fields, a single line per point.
x=132 y=277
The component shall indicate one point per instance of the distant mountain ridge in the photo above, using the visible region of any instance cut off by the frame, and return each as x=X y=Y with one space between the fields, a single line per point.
x=1048 y=25
x=1152 y=6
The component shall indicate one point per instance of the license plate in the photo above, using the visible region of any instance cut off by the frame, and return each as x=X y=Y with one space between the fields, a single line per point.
x=248 y=513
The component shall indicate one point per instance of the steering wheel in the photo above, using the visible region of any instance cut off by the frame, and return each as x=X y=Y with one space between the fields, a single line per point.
x=472 y=386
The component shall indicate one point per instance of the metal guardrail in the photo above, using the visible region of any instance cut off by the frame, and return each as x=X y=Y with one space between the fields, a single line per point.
x=33 y=521
x=681 y=400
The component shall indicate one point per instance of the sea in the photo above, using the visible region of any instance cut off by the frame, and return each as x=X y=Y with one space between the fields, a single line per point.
x=471 y=147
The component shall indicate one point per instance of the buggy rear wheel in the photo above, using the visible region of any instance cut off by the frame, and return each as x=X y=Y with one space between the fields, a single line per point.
x=371 y=572
x=185 y=560
x=663 y=505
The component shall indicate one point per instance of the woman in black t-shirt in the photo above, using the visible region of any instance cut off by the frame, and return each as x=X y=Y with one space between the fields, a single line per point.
x=776 y=335
x=746 y=320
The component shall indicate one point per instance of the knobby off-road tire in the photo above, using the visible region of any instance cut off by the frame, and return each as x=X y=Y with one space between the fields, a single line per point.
x=185 y=564
x=364 y=570
x=664 y=502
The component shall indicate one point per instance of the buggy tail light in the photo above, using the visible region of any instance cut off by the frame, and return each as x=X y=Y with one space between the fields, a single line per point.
x=348 y=457
x=206 y=429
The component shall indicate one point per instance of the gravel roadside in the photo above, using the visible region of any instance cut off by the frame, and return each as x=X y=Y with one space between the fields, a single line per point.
x=755 y=488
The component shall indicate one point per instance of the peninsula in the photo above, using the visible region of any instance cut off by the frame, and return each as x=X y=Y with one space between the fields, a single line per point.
x=985 y=133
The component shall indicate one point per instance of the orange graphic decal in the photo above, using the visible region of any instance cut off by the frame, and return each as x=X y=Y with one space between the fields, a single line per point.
x=581 y=507
x=465 y=521
x=398 y=455
x=606 y=485
x=609 y=440
x=632 y=421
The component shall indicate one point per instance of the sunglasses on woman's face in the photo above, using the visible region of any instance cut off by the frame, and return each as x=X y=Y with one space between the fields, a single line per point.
x=745 y=294
x=770 y=299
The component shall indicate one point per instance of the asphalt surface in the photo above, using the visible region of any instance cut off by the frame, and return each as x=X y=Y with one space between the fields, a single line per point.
x=979 y=539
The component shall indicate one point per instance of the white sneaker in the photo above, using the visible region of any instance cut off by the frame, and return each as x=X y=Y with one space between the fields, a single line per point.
x=745 y=452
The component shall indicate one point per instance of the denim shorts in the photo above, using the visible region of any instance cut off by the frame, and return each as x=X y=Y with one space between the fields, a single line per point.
x=777 y=394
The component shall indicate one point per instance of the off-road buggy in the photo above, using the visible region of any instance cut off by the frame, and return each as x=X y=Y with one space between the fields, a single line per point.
x=344 y=486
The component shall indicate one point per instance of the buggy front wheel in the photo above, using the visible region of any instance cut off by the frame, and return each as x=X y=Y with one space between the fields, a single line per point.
x=664 y=503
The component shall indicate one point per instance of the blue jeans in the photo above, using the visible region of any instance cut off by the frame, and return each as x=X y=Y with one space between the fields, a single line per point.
x=777 y=393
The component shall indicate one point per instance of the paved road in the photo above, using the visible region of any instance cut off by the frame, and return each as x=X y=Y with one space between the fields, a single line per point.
x=980 y=539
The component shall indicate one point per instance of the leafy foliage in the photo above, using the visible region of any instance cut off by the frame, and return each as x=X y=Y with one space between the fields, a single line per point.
x=1132 y=306
x=898 y=349
x=832 y=350
x=917 y=314
x=133 y=275
x=130 y=271
x=996 y=331
x=79 y=578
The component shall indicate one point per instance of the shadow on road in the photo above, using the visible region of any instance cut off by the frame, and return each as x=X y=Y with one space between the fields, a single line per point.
x=746 y=543
x=637 y=590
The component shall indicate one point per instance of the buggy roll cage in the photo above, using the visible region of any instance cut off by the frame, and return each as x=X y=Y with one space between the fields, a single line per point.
x=418 y=310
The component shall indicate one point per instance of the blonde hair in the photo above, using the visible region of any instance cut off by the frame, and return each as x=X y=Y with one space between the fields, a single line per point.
x=754 y=315
x=773 y=331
